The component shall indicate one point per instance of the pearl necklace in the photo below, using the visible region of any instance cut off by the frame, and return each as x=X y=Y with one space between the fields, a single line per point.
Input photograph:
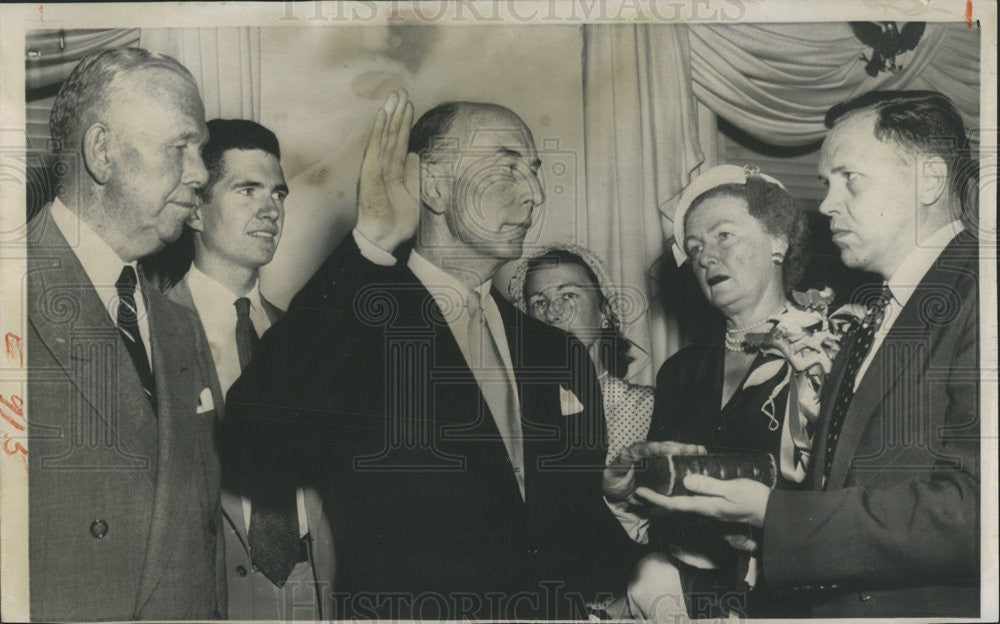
x=736 y=344
x=743 y=330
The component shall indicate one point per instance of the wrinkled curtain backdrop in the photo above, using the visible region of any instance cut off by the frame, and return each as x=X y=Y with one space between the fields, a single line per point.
x=225 y=63
x=636 y=128
x=641 y=149
x=776 y=81
x=773 y=81
x=50 y=56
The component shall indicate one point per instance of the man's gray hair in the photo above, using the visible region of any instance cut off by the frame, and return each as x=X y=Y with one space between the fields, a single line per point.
x=85 y=92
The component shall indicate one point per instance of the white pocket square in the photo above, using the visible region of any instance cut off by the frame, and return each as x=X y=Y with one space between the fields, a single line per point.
x=568 y=403
x=205 y=402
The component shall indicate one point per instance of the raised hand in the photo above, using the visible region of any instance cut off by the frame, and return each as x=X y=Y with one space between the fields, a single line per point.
x=389 y=187
x=618 y=482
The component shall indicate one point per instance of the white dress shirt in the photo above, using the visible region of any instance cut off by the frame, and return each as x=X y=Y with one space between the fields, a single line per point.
x=103 y=266
x=216 y=306
x=904 y=282
x=449 y=294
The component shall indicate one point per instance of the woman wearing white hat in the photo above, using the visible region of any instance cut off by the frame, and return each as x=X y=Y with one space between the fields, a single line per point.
x=568 y=287
x=745 y=240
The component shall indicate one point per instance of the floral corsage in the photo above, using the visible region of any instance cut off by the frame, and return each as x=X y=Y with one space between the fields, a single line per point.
x=807 y=338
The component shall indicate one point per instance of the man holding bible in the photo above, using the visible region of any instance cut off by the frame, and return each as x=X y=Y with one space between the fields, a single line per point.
x=889 y=523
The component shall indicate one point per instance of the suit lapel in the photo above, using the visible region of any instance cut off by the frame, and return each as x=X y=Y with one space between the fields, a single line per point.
x=64 y=307
x=447 y=356
x=512 y=330
x=177 y=463
x=61 y=300
x=886 y=367
x=181 y=294
x=274 y=313
x=538 y=429
x=230 y=493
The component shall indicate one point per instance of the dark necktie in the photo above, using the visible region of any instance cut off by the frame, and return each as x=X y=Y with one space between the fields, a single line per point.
x=862 y=344
x=246 y=333
x=128 y=327
x=274 y=521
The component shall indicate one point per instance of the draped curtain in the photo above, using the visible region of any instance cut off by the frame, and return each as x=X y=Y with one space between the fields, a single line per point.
x=776 y=81
x=50 y=56
x=643 y=89
x=225 y=63
x=641 y=145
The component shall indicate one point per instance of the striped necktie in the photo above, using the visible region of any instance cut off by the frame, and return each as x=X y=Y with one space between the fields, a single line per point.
x=128 y=327
x=864 y=338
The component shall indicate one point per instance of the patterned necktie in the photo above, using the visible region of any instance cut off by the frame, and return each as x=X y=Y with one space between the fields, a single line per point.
x=128 y=327
x=495 y=384
x=274 y=539
x=859 y=351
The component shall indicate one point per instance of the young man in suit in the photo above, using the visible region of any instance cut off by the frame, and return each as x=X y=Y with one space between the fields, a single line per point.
x=890 y=524
x=123 y=477
x=458 y=442
x=279 y=555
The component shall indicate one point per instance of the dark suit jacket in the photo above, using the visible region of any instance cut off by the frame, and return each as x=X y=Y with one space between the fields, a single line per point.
x=362 y=389
x=895 y=532
x=246 y=602
x=124 y=504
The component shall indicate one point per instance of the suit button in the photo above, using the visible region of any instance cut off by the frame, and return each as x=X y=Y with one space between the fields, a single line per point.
x=99 y=528
x=212 y=529
x=217 y=614
x=241 y=571
x=865 y=597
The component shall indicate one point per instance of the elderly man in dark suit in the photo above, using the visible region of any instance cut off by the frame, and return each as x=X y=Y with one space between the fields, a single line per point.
x=458 y=442
x=123 y=477
x=234 y=232
x=890 y=524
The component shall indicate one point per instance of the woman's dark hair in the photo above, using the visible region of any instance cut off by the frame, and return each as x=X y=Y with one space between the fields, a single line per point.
x=613 y=346
x=776 y=210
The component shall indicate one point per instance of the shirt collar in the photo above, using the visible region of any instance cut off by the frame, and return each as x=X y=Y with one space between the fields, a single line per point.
x=915 y=265
x=448 y=291
x=209 y=292
x=100 y=262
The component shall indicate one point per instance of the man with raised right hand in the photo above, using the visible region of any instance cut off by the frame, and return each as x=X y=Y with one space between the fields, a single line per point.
x=458 y=442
